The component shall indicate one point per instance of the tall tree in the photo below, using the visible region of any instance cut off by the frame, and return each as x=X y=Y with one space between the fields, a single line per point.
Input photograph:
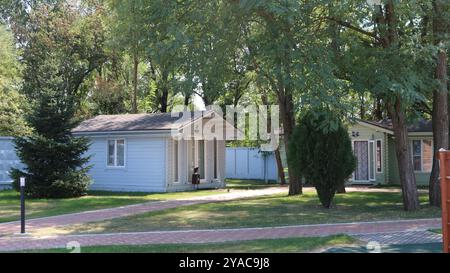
x=287 y=41
x=441 y=25
x=128 y=34
x=12 y=104
x=64 y=45
x=386 y=46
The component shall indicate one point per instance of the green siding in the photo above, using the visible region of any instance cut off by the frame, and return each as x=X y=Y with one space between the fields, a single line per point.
x=393 y=166
x=390 y=174
x=422 y=178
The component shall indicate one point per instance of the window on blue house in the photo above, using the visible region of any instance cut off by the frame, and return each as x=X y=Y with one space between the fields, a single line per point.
x=116 y=153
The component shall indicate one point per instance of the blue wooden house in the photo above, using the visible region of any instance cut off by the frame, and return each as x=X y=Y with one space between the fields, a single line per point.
x=155 y=152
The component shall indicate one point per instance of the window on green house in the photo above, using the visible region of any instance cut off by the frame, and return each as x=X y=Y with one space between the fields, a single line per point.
x=422 y=155
x=379 y=159
x=417 y=155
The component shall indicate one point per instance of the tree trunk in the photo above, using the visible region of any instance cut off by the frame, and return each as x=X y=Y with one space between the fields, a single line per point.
x=280 y=167
x=286 y=111
x=164 y=92
x=440 y=127
x=378 y=113
x=440 y=103
x=362 y=107
x=405 y=167
x=135 y=79
x=186 y=100
x=397 y=113
x=341 y=189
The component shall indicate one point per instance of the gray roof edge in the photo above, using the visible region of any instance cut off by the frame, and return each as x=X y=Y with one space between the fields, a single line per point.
x=131 y=132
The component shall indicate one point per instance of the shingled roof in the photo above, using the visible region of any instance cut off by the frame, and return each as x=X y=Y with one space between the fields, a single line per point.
x=422 y=126
x=135 y=122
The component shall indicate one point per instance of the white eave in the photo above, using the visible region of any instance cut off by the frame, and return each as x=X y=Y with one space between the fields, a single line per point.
x=376 y=128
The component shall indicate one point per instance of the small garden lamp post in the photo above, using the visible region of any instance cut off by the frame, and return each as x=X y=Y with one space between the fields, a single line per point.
x=22 y=205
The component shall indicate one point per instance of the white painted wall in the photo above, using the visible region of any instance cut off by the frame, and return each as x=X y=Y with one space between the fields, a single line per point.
x=8 y=160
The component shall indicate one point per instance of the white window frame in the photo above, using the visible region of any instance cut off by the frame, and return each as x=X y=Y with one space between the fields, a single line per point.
x=115 y=166
x=374 y=179
x=374 y=158
x=381 y=156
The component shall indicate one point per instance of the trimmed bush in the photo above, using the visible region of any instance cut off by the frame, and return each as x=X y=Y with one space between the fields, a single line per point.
x=321 y=148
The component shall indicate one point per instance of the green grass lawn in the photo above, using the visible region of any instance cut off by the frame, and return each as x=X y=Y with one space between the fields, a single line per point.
x=10 y=200
x=276 y=210
x=259 y=246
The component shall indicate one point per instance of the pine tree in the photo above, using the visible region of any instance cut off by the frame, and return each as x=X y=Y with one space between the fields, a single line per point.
x=62 y=49
x=55 y=166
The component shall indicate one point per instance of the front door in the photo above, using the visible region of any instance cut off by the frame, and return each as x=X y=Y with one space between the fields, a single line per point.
x=364 y=152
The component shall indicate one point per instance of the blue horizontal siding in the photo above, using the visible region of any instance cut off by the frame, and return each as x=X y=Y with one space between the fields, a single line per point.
x=144 y=165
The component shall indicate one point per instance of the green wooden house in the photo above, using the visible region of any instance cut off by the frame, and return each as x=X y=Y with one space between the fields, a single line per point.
x=374 y=148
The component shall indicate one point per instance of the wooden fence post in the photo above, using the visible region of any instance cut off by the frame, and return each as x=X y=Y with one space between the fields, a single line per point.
x=444 y=164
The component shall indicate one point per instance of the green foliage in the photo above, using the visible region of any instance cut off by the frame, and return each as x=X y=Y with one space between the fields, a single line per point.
x=401 y=70
x=9 y=66
x=54 y=169
x=12 y=110
x=62 y=49
x=12 y=104
x=323 y=155
x=109 y=97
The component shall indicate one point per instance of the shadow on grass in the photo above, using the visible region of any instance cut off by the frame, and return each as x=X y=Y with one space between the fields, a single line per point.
x=276 y=210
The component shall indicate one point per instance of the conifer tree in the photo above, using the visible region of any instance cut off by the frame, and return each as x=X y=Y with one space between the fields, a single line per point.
x=320 y=148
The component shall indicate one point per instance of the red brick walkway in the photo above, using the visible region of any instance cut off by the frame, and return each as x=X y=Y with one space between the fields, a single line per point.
x=219 y=235
x=105 y=214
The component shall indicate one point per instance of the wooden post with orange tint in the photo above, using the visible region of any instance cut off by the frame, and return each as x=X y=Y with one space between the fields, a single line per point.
x=444 y=163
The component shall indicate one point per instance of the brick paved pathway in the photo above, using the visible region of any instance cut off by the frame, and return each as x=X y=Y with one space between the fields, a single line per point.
x=105 y=214
x=218 y=235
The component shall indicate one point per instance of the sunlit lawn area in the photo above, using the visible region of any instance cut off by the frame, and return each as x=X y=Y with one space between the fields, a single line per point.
x=276 y=210
x=249 y=184
x=261 y=246
x=10 y=200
